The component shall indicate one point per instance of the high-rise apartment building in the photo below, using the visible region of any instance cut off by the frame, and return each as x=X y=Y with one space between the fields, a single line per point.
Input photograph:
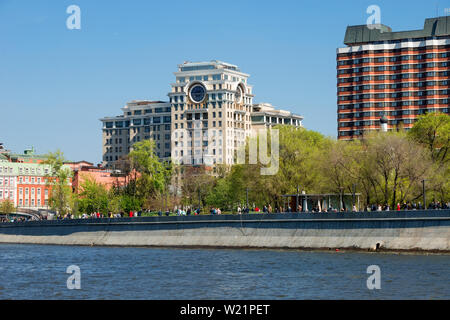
x=400 y=75
x=209 y=116
x=141 y=120
x=211 y=107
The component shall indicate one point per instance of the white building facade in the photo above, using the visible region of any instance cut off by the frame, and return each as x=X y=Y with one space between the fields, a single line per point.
x=211 y=107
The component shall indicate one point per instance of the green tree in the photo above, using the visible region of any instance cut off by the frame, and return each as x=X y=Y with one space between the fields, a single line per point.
x=7 y=207
x=433 y=131
x=300 y=151
x=58 y=180
x=93 y=197
x=129 y=203
x=398 y=165
x=196 y=184
x=154 y=175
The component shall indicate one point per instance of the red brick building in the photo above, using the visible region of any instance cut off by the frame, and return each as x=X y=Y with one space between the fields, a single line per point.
x=100 y=175
x=397 y=74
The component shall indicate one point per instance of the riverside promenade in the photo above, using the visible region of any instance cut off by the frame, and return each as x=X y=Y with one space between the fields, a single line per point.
x=394 y=230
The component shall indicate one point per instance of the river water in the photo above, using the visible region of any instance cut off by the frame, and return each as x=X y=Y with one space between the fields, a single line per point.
x=39 y=272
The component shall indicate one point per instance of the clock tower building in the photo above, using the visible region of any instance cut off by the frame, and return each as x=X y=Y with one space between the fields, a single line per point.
x=211 y=105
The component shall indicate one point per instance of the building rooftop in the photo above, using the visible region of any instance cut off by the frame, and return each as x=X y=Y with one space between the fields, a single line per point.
x=144 y=102
x=433 y=27
x=268 y=108
x=213 y=64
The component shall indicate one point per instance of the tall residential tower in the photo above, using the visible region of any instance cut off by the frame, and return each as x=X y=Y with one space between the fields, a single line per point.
x=211 y=106
x=399 y=75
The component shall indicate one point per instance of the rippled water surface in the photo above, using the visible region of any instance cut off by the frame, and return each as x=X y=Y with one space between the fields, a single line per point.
x=39 y=272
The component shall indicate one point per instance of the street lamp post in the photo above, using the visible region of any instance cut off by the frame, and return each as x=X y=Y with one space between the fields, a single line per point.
x=199 y=200
x=247 y=197
x=424 y=195
x=353 y=194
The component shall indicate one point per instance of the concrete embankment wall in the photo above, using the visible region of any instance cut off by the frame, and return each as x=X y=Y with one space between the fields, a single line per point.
x=404 y=230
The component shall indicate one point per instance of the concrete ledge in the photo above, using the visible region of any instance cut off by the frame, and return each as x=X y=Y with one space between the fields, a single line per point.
x=403 y=230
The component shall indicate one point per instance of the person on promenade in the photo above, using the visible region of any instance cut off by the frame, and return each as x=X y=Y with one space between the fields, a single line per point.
x=269 y=209
x=398 y=206
x=239 y=210
x=265 y=210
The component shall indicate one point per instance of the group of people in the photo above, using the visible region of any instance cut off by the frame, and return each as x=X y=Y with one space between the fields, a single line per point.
x=435 y=205
x=409 y=206
x=182 y=212
x=12 y=219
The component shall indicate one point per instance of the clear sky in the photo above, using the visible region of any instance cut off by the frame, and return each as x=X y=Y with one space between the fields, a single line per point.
x=56 y=83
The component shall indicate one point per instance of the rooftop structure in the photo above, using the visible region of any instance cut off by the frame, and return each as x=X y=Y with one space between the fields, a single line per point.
x=434 y=28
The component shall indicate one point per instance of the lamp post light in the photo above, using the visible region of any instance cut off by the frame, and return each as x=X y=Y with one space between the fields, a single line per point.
x=424 y=195
x=199 y=200
x=247 y=197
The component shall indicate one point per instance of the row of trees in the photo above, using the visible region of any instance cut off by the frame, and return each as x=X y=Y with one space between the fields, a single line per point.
x=386 y=168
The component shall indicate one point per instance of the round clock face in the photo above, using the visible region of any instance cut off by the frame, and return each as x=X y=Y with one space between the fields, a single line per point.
x=197 y=93
x=239 y=94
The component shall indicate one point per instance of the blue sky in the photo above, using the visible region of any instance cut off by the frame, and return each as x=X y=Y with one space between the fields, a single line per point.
x=56 y=83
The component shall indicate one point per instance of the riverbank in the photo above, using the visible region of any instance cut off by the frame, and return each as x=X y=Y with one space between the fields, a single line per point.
x=376 y=231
